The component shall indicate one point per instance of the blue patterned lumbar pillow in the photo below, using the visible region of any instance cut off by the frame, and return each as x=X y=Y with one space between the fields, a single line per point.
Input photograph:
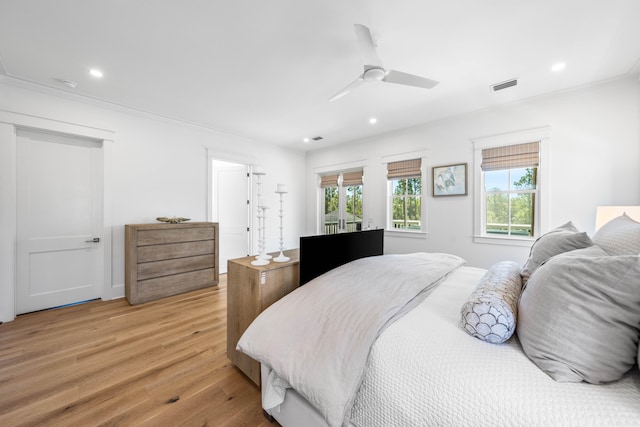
x=490 y=312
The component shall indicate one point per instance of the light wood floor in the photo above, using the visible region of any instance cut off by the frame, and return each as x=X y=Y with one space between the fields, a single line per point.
x=109 y=363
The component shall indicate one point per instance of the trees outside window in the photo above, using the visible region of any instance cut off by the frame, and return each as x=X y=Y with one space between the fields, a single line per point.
x=342 y=207
x=330 y=212
x=353 y=195
x=510 y=201
x=406 y=203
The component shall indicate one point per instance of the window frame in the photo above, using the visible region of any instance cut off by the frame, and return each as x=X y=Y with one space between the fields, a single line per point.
x=510 y=193
x=389 y=230
x=339 y=170
x=541 y=209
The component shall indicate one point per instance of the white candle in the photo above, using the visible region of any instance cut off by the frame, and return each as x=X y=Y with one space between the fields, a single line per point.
x=281 y=188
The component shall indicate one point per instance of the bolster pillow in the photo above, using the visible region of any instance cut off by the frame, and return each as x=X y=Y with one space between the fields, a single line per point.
x=490 y=312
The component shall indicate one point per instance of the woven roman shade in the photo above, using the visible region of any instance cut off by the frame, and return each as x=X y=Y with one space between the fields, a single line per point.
x=350 y=179
x=329 y=181
x=511 y=157
x=404 y=169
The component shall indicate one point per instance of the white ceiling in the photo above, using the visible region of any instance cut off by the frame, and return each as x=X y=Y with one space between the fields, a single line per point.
x=265 y=69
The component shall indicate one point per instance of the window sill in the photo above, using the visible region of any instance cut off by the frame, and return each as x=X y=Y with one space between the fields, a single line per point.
x=506 y=241
x=410 y=234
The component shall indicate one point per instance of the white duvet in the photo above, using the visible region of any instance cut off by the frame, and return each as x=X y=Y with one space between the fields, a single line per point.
x=424 y=370
x=318 y=338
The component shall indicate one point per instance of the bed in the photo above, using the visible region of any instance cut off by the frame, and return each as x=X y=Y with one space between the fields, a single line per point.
x=423 y=364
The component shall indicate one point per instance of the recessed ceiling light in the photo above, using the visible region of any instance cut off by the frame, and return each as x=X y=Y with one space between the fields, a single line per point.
x=373 y=120
x=558 y=67
x=95 y=72
x=305 y=140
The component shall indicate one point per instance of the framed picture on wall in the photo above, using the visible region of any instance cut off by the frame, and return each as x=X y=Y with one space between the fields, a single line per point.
x=450 y=180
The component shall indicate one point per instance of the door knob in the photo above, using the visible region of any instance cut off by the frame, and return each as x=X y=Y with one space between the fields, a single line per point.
x=94 y=240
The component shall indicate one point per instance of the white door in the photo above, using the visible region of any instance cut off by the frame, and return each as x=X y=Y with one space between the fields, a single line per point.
x=230 y=210
x=59 y=220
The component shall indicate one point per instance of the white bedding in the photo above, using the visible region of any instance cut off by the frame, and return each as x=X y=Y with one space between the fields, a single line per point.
x=424 y=370
x=319 y=337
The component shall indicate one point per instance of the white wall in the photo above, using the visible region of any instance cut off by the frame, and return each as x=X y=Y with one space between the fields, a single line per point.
x=594 y=160
x=158 y=166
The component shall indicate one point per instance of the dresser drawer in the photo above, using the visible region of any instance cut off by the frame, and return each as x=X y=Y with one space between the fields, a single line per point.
x=157 y=237
x=149 y=270
x=175 y=250
x=152 y=289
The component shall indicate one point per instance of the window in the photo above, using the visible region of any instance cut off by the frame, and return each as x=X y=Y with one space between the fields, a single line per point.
x=405 y=204
x=352 y=184
x=342 y=207
x=508 y=190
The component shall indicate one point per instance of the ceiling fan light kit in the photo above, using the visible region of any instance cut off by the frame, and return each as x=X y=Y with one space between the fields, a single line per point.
x=375 y=72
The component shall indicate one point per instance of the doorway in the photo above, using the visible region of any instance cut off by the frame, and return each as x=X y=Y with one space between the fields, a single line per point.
x=230 y=209
x=60 y=252
x=342 y=207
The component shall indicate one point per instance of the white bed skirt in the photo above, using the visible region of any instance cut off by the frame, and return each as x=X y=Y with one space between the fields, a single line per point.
x=295 y=411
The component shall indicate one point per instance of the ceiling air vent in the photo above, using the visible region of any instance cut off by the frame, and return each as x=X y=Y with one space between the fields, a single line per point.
x=499 y=86
x=317 y=138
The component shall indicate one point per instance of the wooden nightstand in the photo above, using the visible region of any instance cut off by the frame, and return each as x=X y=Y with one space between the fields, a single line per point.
x=250 y=290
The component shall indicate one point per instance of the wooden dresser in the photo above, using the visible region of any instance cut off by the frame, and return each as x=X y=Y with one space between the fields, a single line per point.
x=167 y=259
x=250 y=290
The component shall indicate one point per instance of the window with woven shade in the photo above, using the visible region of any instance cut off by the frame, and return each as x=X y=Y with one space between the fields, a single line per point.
x=508 y=191
x=404 y=169
x=511 y=181
x=511 y=157
x=405 y=178
x=342 y=207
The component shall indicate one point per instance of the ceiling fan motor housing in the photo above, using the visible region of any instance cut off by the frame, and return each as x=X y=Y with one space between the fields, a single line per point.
x=374 y=74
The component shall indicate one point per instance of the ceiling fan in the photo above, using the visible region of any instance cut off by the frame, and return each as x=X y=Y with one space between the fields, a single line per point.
x=375 y=72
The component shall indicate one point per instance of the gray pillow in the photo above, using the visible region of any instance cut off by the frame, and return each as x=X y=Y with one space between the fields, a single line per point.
x=562 y=239
x=579 y=317
x=620 y=236
x=591 y=251
x=490 y=312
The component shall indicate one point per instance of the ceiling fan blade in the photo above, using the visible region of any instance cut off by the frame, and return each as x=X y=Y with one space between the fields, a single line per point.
x=399 y=77
x=367 y=47
x=347 y=89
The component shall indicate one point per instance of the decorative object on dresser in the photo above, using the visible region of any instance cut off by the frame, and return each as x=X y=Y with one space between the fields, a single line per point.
x=250 y=290
x=173 y=219
x=281 y=190
x=262 y=258
x=169 y=258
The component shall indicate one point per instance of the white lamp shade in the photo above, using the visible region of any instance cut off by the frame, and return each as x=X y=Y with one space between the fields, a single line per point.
x=605 y=214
